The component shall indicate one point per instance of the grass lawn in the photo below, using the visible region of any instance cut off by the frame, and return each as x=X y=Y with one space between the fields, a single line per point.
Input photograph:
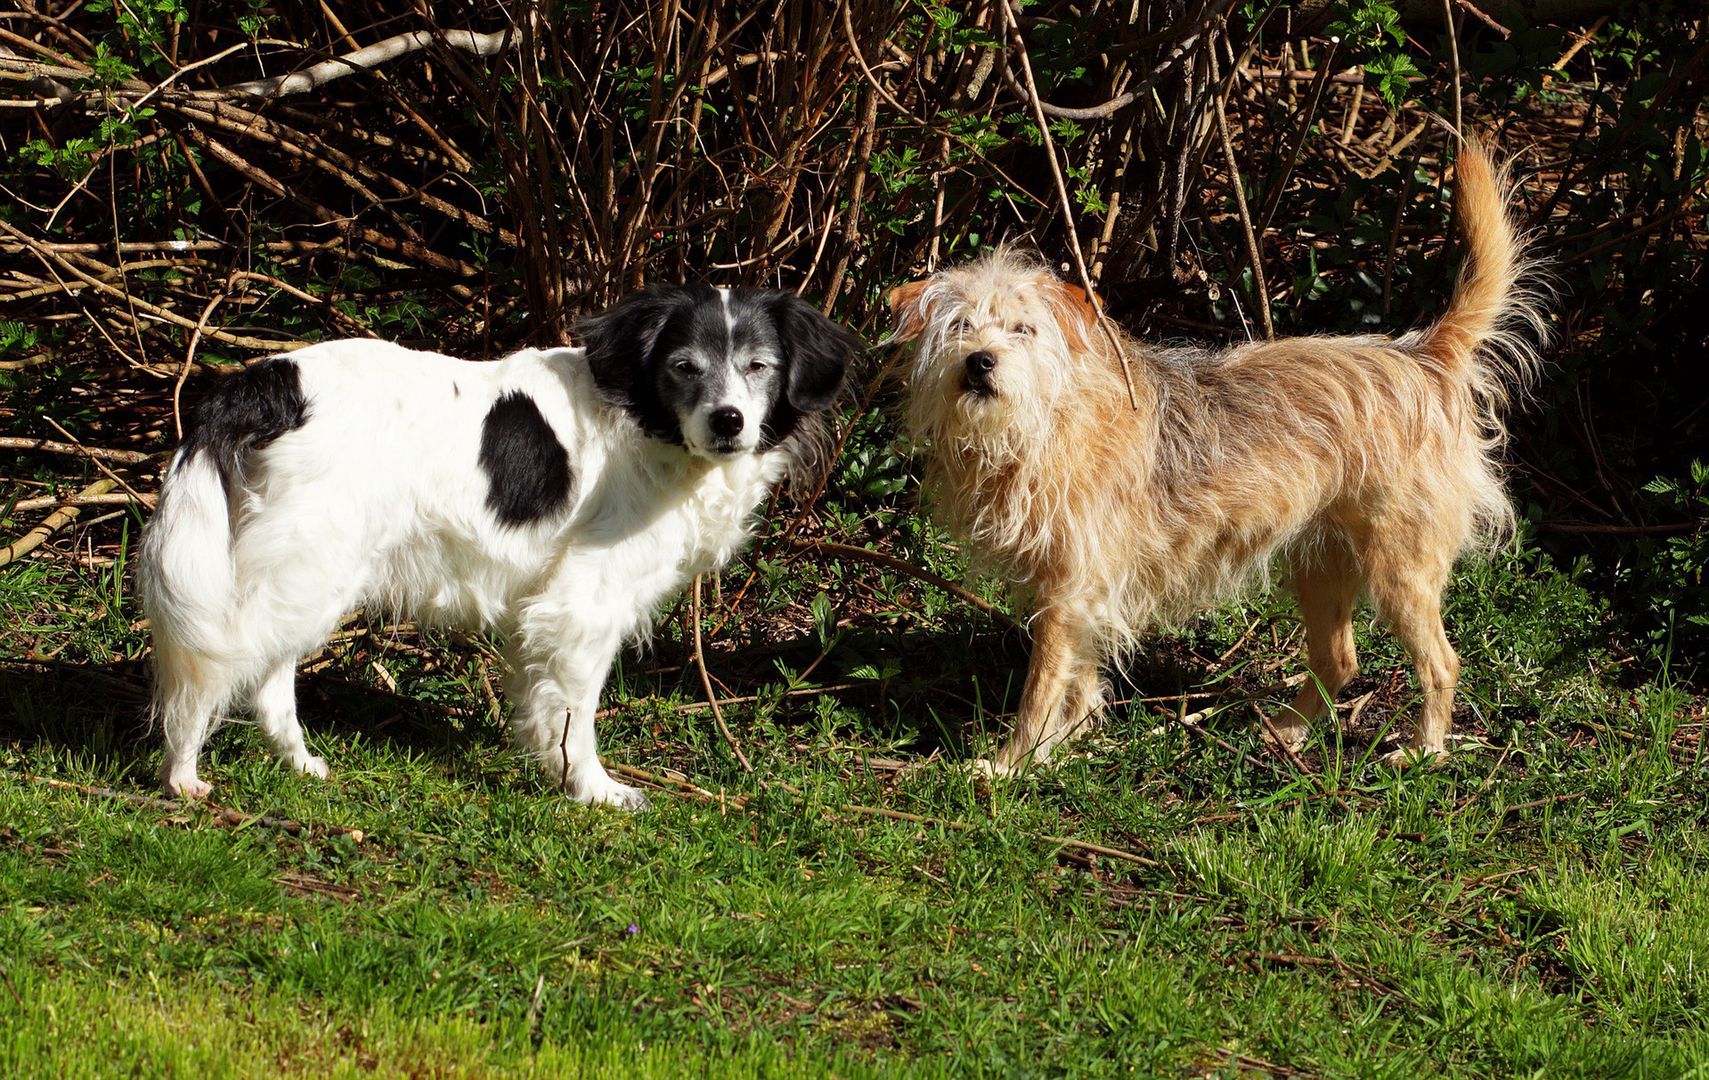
x=1535 y=908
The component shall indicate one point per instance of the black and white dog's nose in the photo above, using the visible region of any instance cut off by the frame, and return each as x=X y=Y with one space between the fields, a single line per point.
x=980 y=363
x=725 y=422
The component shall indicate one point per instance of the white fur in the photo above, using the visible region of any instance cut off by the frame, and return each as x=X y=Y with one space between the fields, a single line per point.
x=378 y=500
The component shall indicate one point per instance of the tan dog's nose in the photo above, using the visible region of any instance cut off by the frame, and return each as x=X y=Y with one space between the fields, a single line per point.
x=978 y=367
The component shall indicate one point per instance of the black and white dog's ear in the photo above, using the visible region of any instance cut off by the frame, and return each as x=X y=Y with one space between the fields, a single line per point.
x=620 y=343
x=818 y=352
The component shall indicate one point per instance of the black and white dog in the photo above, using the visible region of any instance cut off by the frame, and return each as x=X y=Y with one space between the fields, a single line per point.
x=559 y=496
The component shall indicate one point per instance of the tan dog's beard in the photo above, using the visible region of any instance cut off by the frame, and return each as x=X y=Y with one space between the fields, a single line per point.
x=1015 y=421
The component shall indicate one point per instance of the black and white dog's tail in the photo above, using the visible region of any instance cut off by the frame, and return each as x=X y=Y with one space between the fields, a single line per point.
x=185 y=571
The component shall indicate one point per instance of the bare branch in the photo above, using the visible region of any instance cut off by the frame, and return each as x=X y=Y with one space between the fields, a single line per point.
x=372 y=56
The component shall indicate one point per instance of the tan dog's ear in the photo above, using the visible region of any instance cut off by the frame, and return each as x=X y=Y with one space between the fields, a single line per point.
x=907 y=309
x=1077 y=314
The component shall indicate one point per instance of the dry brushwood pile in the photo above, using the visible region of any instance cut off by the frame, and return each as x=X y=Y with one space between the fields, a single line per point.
x=188 y=186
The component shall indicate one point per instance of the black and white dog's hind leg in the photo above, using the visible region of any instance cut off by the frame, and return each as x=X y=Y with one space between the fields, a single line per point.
x=220 y=640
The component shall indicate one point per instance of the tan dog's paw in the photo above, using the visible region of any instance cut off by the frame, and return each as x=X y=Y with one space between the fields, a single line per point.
x=991 y=768
x=1287 y=733
x=1408 y=756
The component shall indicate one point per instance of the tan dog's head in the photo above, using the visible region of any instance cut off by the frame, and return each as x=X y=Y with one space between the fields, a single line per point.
x=998 y=342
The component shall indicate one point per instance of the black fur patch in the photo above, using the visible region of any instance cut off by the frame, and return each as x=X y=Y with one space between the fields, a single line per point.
x=528 y=469
x=624 y=342
x=244 y=412
x=817 y=352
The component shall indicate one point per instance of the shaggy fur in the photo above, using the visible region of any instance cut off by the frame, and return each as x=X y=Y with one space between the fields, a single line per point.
x=1366 y=461
x=559 y=496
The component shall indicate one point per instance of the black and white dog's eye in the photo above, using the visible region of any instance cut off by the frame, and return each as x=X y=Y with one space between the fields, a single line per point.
x=686 y=367
x=757 y=366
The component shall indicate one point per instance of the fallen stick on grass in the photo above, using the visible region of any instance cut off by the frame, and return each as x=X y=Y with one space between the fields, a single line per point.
x=230 y=817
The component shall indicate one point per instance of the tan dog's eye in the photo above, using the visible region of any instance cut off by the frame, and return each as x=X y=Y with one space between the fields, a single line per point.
x=1024 y=330
x=963 y=327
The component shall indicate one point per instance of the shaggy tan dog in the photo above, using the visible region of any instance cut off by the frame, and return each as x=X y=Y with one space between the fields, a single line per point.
x=1368 y=461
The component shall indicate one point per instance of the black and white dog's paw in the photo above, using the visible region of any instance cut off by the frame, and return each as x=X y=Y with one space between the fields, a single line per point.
x=604 y=791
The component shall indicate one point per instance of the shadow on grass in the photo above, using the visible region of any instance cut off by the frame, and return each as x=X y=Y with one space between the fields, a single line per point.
x=953 y=692
x=945 y=691
x=91 y=712
x=97 y=713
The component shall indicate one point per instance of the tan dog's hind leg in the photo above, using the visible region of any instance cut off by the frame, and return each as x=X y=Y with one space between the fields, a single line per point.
x=1407 y=588
x=1059 y=655
x=1084 y=702
x=1327 y=582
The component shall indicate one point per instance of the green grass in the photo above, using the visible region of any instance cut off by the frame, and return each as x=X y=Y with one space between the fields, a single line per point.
x=1534 y=908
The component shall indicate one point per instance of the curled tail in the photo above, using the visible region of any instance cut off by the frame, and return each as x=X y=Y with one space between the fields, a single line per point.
x=1486 y=344
x=1494 y=324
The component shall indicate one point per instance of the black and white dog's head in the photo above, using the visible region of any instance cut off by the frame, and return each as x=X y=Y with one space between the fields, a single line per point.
x=717 y=371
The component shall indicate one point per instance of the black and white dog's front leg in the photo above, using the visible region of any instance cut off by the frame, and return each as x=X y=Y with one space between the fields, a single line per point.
x=554 y=698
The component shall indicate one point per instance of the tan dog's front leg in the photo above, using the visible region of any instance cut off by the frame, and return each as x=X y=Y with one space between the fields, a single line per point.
x=1055 y=660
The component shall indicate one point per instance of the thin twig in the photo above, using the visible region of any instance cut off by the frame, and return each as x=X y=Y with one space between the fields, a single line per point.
x=1067 y=205
x=741 y=699
x=1394 y=233
x=1297 y=960
x=1470 y=9
x=187 y=68
x=1274 y=198
x=1587 y=528
x=1454 y=56
x=1191 y=721
x=706 y=679
x=865 y=70
x=1279 y=744
x=1255 y=259
x=146 y=500
x=1580 y=40
x=1136 y=91
x=190 y=359
x=46 y=501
